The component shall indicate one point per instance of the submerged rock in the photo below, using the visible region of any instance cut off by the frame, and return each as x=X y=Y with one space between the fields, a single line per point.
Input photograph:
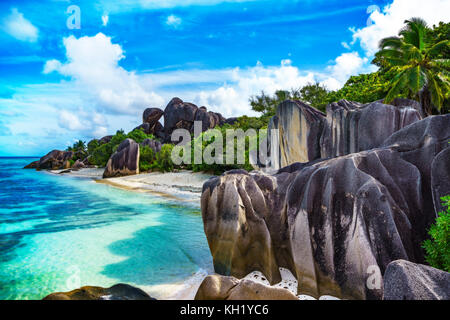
x=405 y=280
x=117 y=292
x=216 y=287
x=125 y=161
x=330 y=222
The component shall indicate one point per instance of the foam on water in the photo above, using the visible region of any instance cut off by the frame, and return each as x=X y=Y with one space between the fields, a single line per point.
x=58 y=233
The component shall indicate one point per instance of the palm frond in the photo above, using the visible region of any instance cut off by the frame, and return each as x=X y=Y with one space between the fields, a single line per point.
x=438 y=48
x=398 y=83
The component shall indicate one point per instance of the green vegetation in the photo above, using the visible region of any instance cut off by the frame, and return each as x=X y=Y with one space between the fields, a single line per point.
x=79 y=149
x=101 y=153
x=419 y=67
x=438 y=246
x=160 y=161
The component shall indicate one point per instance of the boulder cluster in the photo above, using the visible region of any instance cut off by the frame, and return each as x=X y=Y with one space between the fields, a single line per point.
x=125 y=161
x=355 y=190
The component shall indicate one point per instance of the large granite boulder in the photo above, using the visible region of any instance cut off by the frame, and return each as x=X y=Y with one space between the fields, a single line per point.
x=32 y=165
x=299 y=128
x=117 y=292
x=105 y=139
x=216 y=287
x=55 y=160
x=179 y=115
x=332 y=222
x=404 y=280
x=209 y=119
x=419 y=144
x=125 y=161
x=152 y=115
x=352 y=127
x=402 y=102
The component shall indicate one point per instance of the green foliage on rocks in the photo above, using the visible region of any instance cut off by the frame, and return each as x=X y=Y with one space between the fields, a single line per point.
x=160 y=161
x=438 y=246
x=101 y=154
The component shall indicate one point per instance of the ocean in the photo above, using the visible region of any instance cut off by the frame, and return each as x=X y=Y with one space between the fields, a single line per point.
x=58 y=233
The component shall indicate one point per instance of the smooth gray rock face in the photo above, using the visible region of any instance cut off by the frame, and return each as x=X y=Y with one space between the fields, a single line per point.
x=153 y=144
x=306 y=134
x=402 y=102
x=125 y=161
x=352 y=127
x=440 y=178
x=404 y=280
x=329 y=221
x=179 y=115
x=298 y=138
x=419 y=144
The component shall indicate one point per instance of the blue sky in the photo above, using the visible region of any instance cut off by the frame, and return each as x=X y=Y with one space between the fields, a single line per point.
x=60 y=84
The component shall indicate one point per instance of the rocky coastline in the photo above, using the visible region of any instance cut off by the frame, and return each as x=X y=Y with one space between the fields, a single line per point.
x=350 y=198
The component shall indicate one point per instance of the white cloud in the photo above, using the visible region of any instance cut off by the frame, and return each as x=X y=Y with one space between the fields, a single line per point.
x=346 y=65
x=16 y=25
x=391 y=20
x=173 y=21
x=105 y=20
x=93 y=64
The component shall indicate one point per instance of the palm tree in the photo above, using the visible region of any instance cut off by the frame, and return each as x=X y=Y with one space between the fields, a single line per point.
x=419 y=70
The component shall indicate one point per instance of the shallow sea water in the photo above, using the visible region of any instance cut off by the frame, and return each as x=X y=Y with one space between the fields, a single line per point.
x=58 y=233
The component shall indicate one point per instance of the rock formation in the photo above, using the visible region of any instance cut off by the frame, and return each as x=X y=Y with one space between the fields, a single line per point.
x=404 y=280
x=125 y=161
x=181 y=115
x=305 y=134
x=299 y=128
x=330 y=222
x=117 y=292
x=53 y=160
x=216 y=287
x=152 y=116
x=352 y=127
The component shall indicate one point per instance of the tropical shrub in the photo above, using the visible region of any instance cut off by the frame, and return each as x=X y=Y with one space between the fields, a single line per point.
x=147 y=158
x=438 y=246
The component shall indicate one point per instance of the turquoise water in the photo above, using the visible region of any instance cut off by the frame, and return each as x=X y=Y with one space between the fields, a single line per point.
x=58 y=233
